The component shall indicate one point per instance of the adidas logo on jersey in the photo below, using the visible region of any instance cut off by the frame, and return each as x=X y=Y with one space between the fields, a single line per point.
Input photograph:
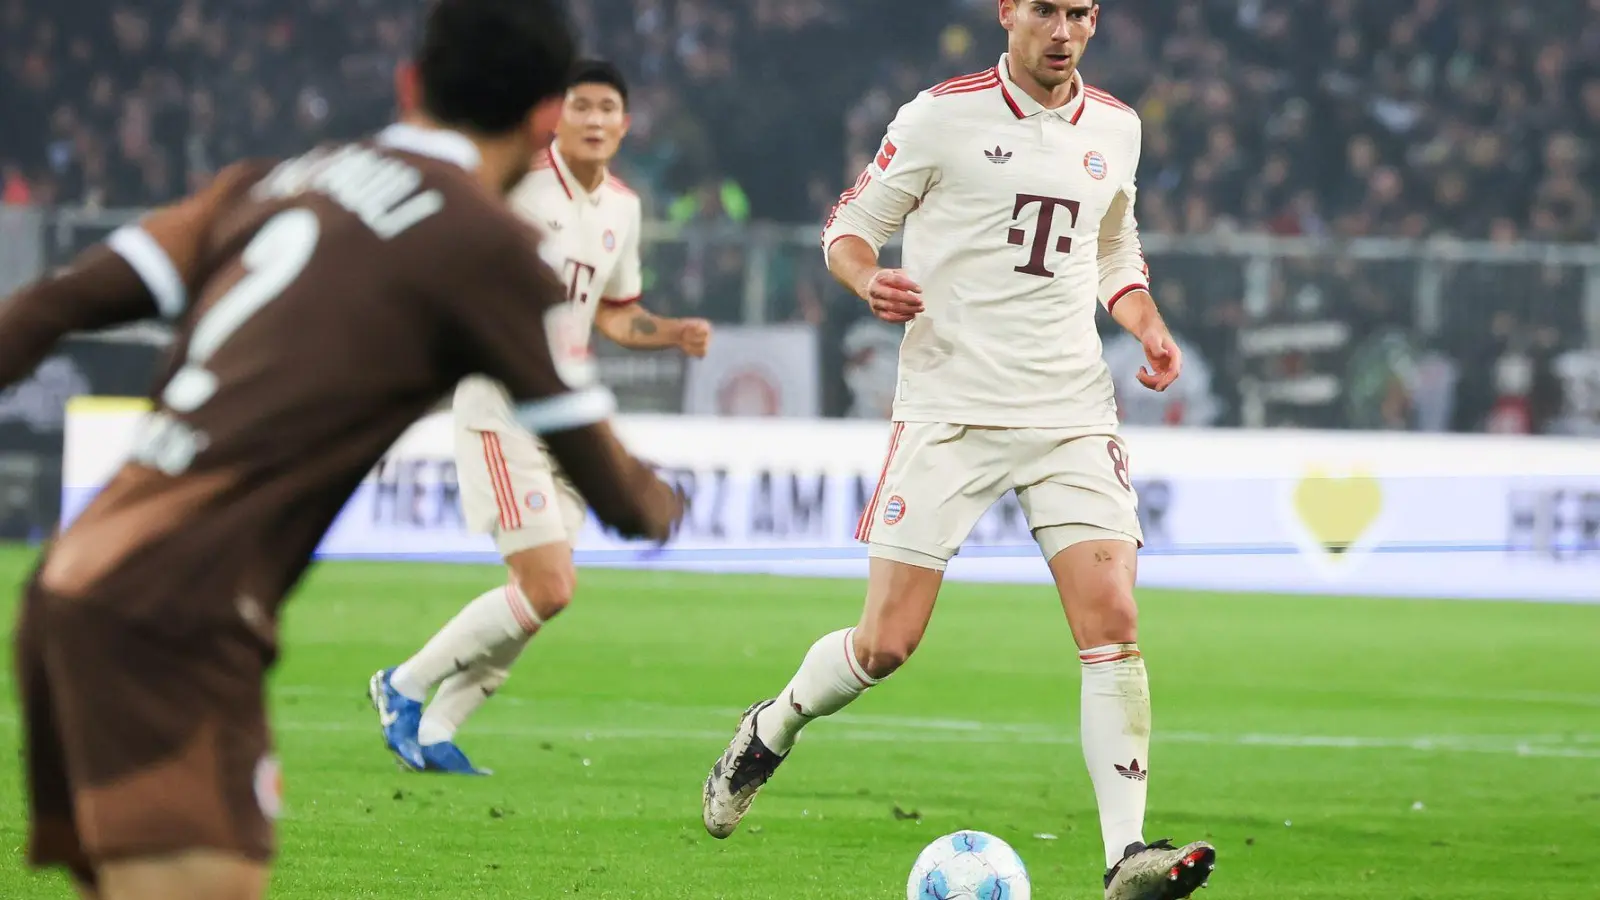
x=997 y=156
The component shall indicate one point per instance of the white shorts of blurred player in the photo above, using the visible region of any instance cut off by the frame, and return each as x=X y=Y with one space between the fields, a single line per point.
x=939 y=480
x=510 y=489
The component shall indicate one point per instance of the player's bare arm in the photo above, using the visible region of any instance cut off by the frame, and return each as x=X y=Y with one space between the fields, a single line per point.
x=1136 y=311
x=892 y=186
x=140 y=272
x=636 y=328
x=891 y=293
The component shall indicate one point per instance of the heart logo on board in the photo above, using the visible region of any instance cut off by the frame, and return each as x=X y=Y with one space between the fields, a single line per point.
x=1338 y=510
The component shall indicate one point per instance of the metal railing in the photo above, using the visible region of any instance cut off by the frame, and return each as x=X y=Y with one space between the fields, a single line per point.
x=1282 y=322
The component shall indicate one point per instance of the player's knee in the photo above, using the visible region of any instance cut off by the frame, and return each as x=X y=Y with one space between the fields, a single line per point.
x=550 y=593
x=881 y=655
x=1115 y=619
x=546 y=578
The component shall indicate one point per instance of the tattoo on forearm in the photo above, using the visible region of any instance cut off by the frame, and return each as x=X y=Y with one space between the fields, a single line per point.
x=644 y=326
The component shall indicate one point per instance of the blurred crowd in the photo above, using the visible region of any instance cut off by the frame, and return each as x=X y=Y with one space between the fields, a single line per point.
x=1404 y=118
x=1396 y=117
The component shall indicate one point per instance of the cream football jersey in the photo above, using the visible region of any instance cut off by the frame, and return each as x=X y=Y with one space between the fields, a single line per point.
x=1016 y=220
x=591 y=239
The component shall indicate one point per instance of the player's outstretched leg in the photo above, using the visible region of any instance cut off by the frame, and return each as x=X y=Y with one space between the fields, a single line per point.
x=457 y=698
x=479 y=645
x=1095 y=578
x=837 y=669
x=498 y=618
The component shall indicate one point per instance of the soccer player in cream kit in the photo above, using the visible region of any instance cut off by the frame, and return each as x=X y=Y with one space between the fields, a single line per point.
x=1015 y=190
x=590 y=223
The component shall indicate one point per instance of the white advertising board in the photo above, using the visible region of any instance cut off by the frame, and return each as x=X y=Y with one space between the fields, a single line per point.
x=1228 y=510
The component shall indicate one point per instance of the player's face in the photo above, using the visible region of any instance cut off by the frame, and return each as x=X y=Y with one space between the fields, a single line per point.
x=1047 y=37
x=593 y=123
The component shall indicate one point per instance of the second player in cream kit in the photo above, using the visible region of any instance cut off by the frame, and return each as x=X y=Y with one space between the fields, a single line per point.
x=592 y=240
x=509 y=486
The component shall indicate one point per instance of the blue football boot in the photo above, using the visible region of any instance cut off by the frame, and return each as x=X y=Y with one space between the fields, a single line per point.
x=400 y=717
x=445 y=757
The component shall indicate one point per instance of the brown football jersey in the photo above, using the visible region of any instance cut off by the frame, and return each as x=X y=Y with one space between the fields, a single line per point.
x=322 y=305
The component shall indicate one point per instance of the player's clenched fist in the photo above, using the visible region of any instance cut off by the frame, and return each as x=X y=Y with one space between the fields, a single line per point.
x=893 y=296
x=694 y=337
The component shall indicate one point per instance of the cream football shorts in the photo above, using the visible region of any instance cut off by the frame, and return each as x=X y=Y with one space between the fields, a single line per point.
x=510 y=489
x=939 y=480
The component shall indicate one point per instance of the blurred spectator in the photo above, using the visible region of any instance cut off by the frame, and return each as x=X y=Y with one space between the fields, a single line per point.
x=1339 y=118
x=1293 y=118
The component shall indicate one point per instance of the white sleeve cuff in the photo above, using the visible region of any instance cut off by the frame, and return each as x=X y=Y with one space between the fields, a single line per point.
x=565 y=412
x=153 y=266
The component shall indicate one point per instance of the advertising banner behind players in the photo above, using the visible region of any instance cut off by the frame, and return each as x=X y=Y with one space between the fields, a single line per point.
x=1281 y=511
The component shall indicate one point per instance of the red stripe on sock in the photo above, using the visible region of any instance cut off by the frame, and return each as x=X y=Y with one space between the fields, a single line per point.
x=520 y=610
x=855 y=664
x=1108 y=657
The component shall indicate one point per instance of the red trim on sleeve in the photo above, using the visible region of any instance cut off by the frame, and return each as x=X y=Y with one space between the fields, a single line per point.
x=1123 y=293
x=1094 y=93
x=621 y=301
x=846 y=197
x=963 y=83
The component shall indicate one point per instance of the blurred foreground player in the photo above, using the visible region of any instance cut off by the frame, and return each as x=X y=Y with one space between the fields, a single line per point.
x=321 y=307
x=590 y=224
x=1015 y=186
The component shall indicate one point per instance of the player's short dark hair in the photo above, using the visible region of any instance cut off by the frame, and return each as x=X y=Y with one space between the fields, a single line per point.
x=483 y=64
x=598 y=71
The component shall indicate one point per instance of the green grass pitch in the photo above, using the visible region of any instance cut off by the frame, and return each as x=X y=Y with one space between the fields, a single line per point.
x=1331 y=748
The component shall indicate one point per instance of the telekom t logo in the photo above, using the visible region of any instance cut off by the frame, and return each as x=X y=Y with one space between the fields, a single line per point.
x=579 y=276
x=1041 y=235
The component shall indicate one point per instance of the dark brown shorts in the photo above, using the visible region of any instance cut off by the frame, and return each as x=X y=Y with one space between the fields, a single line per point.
x=141 y=741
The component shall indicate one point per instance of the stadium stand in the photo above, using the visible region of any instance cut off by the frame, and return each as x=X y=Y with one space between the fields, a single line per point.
x=1398 y=123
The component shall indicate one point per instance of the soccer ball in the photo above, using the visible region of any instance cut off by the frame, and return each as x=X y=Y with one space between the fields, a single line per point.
x=968 y=865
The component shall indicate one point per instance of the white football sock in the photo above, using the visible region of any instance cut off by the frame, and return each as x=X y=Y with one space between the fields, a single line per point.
x=828 y=679
x=1116 y=741
x=460 y=695
x=497 y=618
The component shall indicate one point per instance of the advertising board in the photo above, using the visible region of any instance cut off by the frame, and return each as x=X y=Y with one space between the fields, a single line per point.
x=1452 y=516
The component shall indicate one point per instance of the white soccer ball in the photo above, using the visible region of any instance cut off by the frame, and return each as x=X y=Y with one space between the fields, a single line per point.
x=968 y=865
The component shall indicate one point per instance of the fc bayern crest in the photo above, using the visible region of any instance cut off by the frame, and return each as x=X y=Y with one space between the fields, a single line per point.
x=1094 y=162
x=894 y=510
x=535 y=501
x=609 y=240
